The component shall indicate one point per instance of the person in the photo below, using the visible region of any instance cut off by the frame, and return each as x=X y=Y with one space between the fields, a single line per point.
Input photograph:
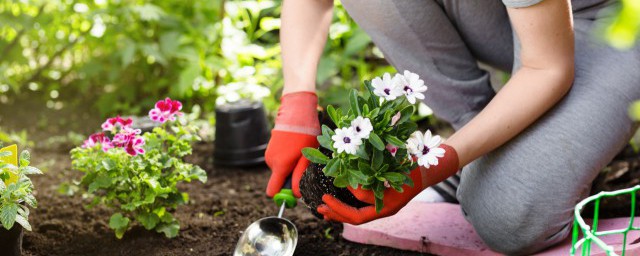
x=530 y=151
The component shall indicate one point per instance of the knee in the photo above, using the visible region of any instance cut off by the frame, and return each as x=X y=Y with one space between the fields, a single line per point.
x=511 y=227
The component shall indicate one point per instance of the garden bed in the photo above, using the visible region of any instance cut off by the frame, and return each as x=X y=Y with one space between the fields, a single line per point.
x=210 y=224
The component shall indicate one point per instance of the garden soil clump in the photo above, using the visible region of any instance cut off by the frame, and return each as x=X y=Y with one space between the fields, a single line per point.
x=210 y=224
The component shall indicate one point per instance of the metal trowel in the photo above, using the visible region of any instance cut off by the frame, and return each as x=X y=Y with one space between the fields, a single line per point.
x=271 y=236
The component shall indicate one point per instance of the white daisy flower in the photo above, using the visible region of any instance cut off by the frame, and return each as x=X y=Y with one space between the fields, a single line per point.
x=386 y=87
x=411 y=86
x=362 y=127
x=346 y=140
x=425 y=148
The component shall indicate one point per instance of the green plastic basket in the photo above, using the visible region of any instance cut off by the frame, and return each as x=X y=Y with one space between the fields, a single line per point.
x=591 y=234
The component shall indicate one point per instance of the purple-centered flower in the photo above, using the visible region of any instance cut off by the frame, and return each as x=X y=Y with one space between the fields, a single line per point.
x=425 y=147
x=346 y=140
x=411 y=85
x=362 y=127
x=386 y=87
x=166 y=110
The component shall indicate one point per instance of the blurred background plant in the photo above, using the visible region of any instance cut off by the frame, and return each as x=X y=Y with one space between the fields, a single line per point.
x=71 y=59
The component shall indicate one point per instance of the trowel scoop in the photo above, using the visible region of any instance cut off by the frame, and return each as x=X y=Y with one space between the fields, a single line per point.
x=271 y=236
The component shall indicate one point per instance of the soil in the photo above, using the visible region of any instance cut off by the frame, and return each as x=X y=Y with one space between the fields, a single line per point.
x=210 y=224
x=314 y=184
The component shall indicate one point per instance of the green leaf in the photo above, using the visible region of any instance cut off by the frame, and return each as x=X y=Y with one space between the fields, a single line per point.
x=170 y=230
x=365 y=109
x=353 y=101
x=23 y=222
x=102 y=181
x=377 y=159
x=118 y=221
x=362 y=152
x=405 y=114
x=30 y=170
x=394 y=176
x=332 y=167
x=109 y=164
x=365 y=168
x=314 y=155
x=393 y=140
x=357 y=42
x=198 y=173
x=148 y=220
x=379 y=205
x=341 y=181
x=333 y=114
x=359 y=175
x=8 y=213
x=325 y=141
x=353 y=180
x=376 y=141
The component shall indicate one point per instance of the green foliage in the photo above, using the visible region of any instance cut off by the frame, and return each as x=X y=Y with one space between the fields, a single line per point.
x=141 y=188
x=373 y=166
x=623 y=31
x=200 y=52
x=16 y=194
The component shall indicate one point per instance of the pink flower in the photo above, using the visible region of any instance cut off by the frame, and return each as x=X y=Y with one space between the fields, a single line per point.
x=134 y=147
x=121 y=139
x=392 y=149
x=98 y=138
x=165 y=110
x=395 y=118
x=116 y=122
x=107 y=145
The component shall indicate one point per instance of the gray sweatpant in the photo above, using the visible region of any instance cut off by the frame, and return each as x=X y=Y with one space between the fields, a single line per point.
x=519 y=197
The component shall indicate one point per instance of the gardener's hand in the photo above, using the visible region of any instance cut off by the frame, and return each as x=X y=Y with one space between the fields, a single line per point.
x=336 y=210
x=296 y=127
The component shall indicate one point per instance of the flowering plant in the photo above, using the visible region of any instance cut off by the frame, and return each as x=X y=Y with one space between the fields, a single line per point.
x=137 y=174
x=375 y=142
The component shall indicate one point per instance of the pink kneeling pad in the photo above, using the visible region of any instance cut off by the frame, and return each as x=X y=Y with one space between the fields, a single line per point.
x=440 y=229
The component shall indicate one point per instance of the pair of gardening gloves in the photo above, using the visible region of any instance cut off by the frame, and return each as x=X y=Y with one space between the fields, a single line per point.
x=297 y=127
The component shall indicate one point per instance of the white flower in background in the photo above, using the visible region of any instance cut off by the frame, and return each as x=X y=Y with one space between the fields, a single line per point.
x=233 y=92
x=411 y=86
x=425 y=148
x=386 y=87
x=346 y=140
x=362 y=127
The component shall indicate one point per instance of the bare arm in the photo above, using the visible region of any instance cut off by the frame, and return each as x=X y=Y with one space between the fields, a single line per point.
x=546 y=34
x=305 y=26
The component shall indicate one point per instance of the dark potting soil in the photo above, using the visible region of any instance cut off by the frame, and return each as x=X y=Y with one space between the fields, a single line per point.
x=210 y=224
x=314 y=184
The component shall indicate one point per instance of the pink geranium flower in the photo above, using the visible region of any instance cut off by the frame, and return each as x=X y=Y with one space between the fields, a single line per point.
x=116 y=122
x=166 y=110
x=98 y=138
x=134 y=147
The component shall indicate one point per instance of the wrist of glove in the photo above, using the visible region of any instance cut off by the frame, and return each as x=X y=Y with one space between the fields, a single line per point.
x=296 y=127
x=336 y=210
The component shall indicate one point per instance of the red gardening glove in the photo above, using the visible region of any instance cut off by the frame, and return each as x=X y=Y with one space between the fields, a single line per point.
x=296 y=127
x=336 y=210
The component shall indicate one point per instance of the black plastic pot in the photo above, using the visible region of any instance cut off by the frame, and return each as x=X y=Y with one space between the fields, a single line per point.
x=242 y=134
x=11 y=241
x=314 y=184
